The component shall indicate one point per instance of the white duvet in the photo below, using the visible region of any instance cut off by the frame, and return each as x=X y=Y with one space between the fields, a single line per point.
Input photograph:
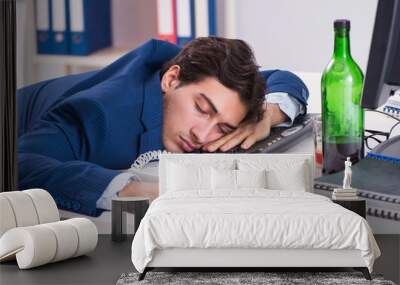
x=252 y=218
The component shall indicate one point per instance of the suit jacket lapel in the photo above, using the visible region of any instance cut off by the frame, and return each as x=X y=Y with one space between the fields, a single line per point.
x=152 y=115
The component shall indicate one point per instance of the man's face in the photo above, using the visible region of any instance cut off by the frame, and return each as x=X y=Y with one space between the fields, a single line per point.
x=198 y=113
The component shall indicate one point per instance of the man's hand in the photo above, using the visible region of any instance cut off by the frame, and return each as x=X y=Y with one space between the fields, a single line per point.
x=140 y=189
x=250 y=133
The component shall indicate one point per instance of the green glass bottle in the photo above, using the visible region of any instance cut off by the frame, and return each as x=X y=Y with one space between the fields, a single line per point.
x=342 y=115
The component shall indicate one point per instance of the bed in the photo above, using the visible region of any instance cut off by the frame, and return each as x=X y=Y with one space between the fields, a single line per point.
x=241 y=210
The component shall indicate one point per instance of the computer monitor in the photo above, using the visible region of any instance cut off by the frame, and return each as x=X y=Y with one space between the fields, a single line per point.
x=383 y=70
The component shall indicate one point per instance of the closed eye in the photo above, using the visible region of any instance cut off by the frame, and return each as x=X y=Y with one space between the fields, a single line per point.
x=199 y=109
x=225 y=130
x=221 y=130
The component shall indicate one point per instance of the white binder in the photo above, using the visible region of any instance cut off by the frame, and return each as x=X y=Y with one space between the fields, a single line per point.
x=185 y=21
x=42 y=13
x=59 y=26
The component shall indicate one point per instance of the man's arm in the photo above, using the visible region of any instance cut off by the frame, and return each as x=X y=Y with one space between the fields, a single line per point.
x=74 y=185
x=126 y=184
x=288 y=105
x=293 y=96
x=141 y=189
x=52 y=156
x=249 y=133
x=281 y=81
x=115 y=186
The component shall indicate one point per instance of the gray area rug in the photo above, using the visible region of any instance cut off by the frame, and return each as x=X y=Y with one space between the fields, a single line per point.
x=231 y=278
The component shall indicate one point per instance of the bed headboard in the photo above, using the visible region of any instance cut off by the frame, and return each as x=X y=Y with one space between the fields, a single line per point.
x=240 y=161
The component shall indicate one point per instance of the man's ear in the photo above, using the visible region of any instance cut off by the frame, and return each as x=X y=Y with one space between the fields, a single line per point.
x=170 y=78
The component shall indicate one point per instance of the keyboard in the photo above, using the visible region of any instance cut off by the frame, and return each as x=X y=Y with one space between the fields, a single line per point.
x=281 y=138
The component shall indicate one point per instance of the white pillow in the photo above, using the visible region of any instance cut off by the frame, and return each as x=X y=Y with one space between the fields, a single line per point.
x=223 y=179
x=283 y=174
x=251 y=179
x=188 y=177
x=187 y=173
x=227 y=179
x=292 y=178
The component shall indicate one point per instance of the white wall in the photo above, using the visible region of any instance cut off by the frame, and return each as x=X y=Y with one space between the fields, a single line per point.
x=133 y=22
x=298 y=35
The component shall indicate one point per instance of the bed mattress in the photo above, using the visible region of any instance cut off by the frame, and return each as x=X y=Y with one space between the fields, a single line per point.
x=250 y=219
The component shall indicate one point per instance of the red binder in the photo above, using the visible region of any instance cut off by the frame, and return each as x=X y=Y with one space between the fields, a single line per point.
x=166 y=11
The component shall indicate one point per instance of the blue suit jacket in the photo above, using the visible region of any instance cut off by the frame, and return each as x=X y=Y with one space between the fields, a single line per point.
x=77 y=132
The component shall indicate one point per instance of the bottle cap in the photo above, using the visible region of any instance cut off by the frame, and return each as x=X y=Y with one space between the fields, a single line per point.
x=342 y=23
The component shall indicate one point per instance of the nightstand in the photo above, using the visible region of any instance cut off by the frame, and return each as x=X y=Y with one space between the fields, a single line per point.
x=122 y=205
x=357 y=206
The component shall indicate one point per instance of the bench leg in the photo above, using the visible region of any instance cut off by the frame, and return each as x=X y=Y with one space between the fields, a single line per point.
x=364 y=271
x=143 y=274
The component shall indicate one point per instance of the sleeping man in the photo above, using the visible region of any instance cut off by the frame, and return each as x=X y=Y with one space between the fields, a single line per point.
x=78 y=133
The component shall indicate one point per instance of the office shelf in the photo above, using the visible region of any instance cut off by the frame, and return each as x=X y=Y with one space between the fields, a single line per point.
x=97 y=59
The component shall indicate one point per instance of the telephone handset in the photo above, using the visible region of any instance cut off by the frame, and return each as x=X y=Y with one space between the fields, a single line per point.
x=147 y=157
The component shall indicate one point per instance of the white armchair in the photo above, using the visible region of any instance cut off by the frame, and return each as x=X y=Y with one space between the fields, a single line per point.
x=31 y=231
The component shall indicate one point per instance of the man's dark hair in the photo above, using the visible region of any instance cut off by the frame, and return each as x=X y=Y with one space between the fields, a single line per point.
x=231 y=62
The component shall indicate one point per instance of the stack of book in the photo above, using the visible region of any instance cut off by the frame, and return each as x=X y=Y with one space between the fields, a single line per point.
x=344 y=194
